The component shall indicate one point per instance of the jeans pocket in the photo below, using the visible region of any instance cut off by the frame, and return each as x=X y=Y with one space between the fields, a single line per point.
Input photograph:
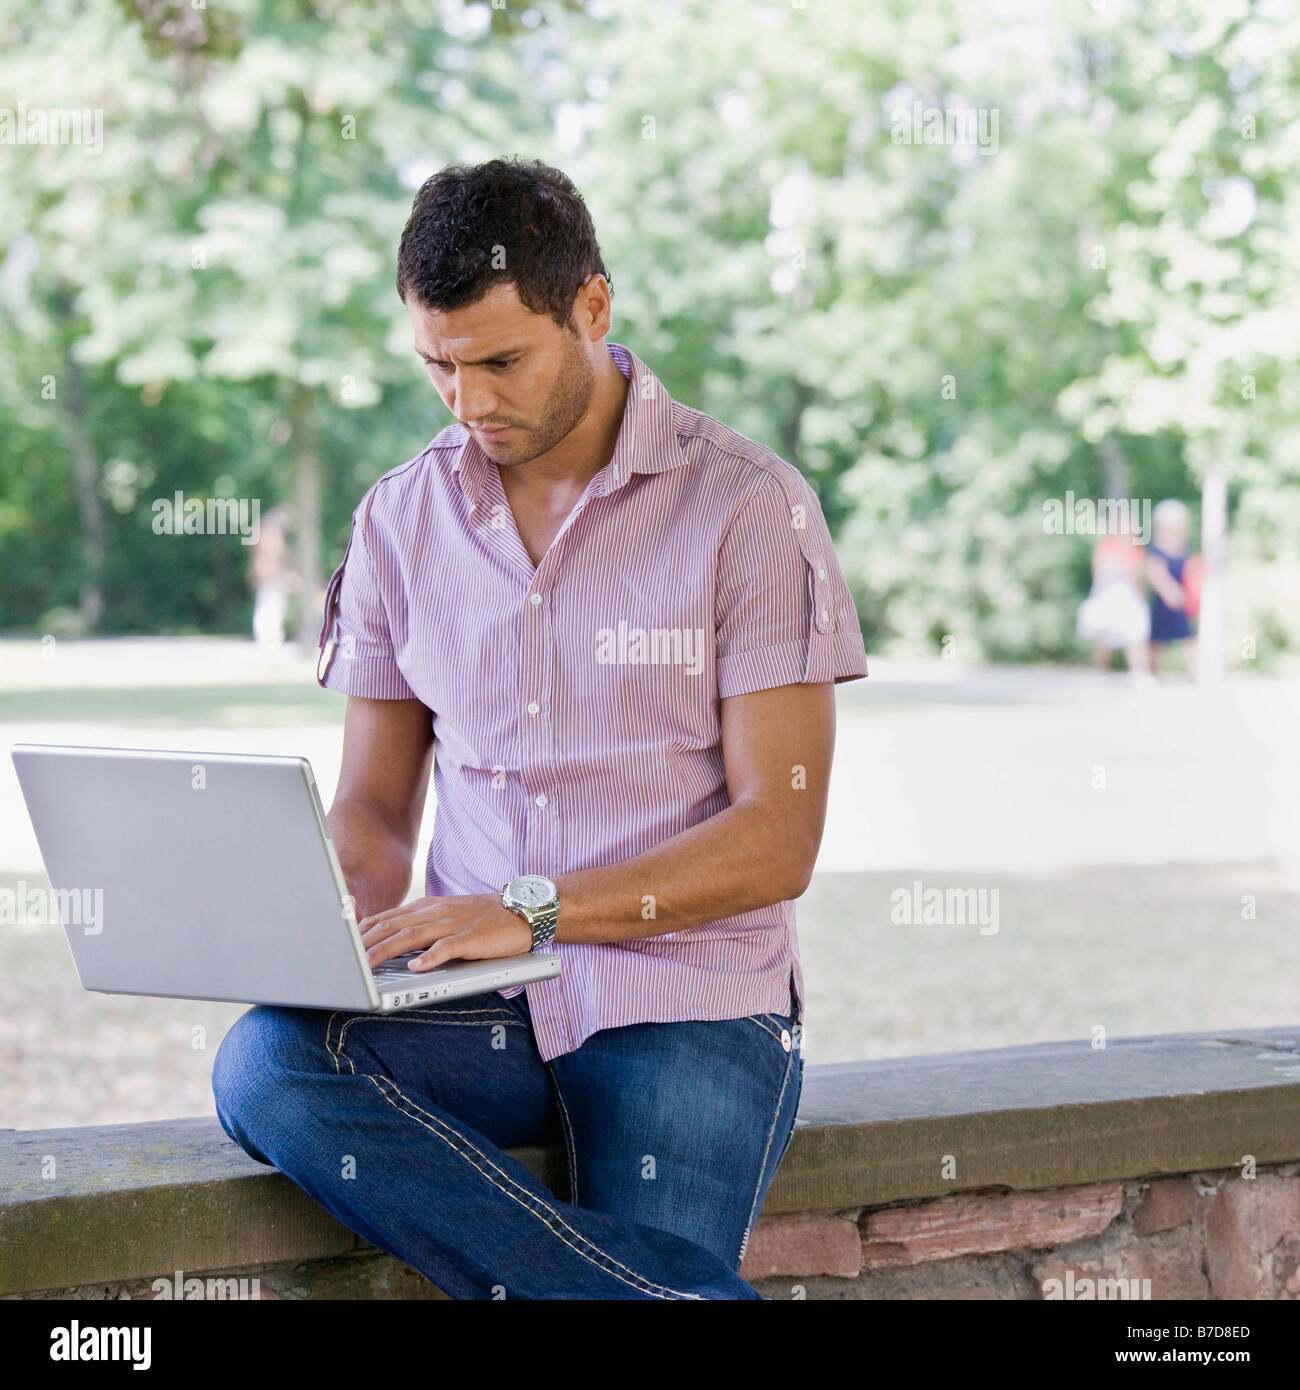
x=779 y=1026
x=796 y=1084
x=782 y=1068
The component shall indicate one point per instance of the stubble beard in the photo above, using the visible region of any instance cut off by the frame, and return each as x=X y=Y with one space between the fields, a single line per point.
x=570 y=397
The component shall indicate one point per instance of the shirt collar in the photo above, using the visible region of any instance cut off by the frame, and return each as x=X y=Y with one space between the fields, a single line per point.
x=646 y=443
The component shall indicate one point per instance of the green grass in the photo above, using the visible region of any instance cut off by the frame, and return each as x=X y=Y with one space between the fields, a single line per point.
x=265 y=705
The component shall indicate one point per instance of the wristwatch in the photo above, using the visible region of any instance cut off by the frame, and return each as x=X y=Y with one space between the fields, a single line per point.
x=537 y=900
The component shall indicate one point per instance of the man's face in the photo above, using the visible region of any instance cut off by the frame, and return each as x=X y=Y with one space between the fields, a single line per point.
x=500 y=367
x=1171 y=536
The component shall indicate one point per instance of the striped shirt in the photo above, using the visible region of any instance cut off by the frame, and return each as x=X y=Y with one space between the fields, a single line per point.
x=575 y=703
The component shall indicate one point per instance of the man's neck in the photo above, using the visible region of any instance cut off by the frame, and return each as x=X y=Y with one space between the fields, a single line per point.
x=585 y=450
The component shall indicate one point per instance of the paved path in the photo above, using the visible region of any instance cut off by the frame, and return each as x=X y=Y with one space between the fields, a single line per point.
x=1121 y=828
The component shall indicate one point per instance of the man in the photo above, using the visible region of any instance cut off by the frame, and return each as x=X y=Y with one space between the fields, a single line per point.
x=1174 y=580
x=618 y=625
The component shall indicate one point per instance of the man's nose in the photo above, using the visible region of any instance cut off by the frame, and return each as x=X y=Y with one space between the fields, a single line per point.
x=471 y=403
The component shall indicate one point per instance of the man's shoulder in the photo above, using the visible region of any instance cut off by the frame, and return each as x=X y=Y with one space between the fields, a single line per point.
x=744 y=466
x=394 y=492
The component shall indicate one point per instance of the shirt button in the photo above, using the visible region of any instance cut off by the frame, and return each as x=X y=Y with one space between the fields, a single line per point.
x=535 y=599
x=541 y=800
x=821 y=574
x=825 y=616
x=785 y=1039
x=533 y=707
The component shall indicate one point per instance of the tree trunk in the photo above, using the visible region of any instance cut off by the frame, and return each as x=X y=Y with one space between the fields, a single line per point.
x=90 y=505
x=307 y=532
x=1114 y=469
x=1214 y=527
x=793 y=421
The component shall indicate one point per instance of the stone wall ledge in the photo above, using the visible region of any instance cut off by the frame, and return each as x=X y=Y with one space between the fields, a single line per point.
x=935 y=1163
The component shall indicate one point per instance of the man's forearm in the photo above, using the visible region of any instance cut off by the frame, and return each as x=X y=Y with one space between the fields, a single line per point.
x=375 y=860
x=741 y=859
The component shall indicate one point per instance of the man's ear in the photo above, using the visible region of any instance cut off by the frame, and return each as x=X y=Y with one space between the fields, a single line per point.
x=590 y=308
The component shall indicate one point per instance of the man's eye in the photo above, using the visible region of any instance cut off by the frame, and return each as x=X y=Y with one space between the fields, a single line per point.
x=501 y=364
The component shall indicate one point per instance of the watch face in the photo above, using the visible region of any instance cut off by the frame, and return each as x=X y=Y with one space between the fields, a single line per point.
x=532 y=890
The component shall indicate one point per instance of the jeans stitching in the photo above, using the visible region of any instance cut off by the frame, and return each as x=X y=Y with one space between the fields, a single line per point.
x=410 y=1015
x=329 y=1046
x=633 y=1280
x=758 y=1018
x=569 y=1142
x=436 y=1014
x=767 y=1149
x=404 y=1016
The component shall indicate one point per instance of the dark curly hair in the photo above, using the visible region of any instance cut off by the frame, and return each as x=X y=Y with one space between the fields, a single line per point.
x=476 y=226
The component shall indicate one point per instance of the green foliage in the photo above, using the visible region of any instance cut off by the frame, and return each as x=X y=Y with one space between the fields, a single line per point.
x=941 y=338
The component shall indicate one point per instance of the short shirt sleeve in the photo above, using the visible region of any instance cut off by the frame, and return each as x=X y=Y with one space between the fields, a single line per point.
x=362 y=660
x=785 y=615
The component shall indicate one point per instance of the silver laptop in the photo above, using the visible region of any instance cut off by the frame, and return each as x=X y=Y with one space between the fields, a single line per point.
x=213 y=876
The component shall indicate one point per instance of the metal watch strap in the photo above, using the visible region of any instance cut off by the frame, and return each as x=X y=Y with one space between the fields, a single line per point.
x=543 y=925
x=541 y=921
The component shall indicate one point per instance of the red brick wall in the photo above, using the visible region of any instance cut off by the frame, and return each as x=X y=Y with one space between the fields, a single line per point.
x=1204 y=1235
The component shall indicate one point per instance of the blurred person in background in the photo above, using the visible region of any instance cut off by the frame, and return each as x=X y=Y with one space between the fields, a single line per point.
x=1170 y=573
x=272 y=576
x=1115 y=614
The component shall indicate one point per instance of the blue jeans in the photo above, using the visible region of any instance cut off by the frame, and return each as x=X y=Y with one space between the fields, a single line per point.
x=396 y=1124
